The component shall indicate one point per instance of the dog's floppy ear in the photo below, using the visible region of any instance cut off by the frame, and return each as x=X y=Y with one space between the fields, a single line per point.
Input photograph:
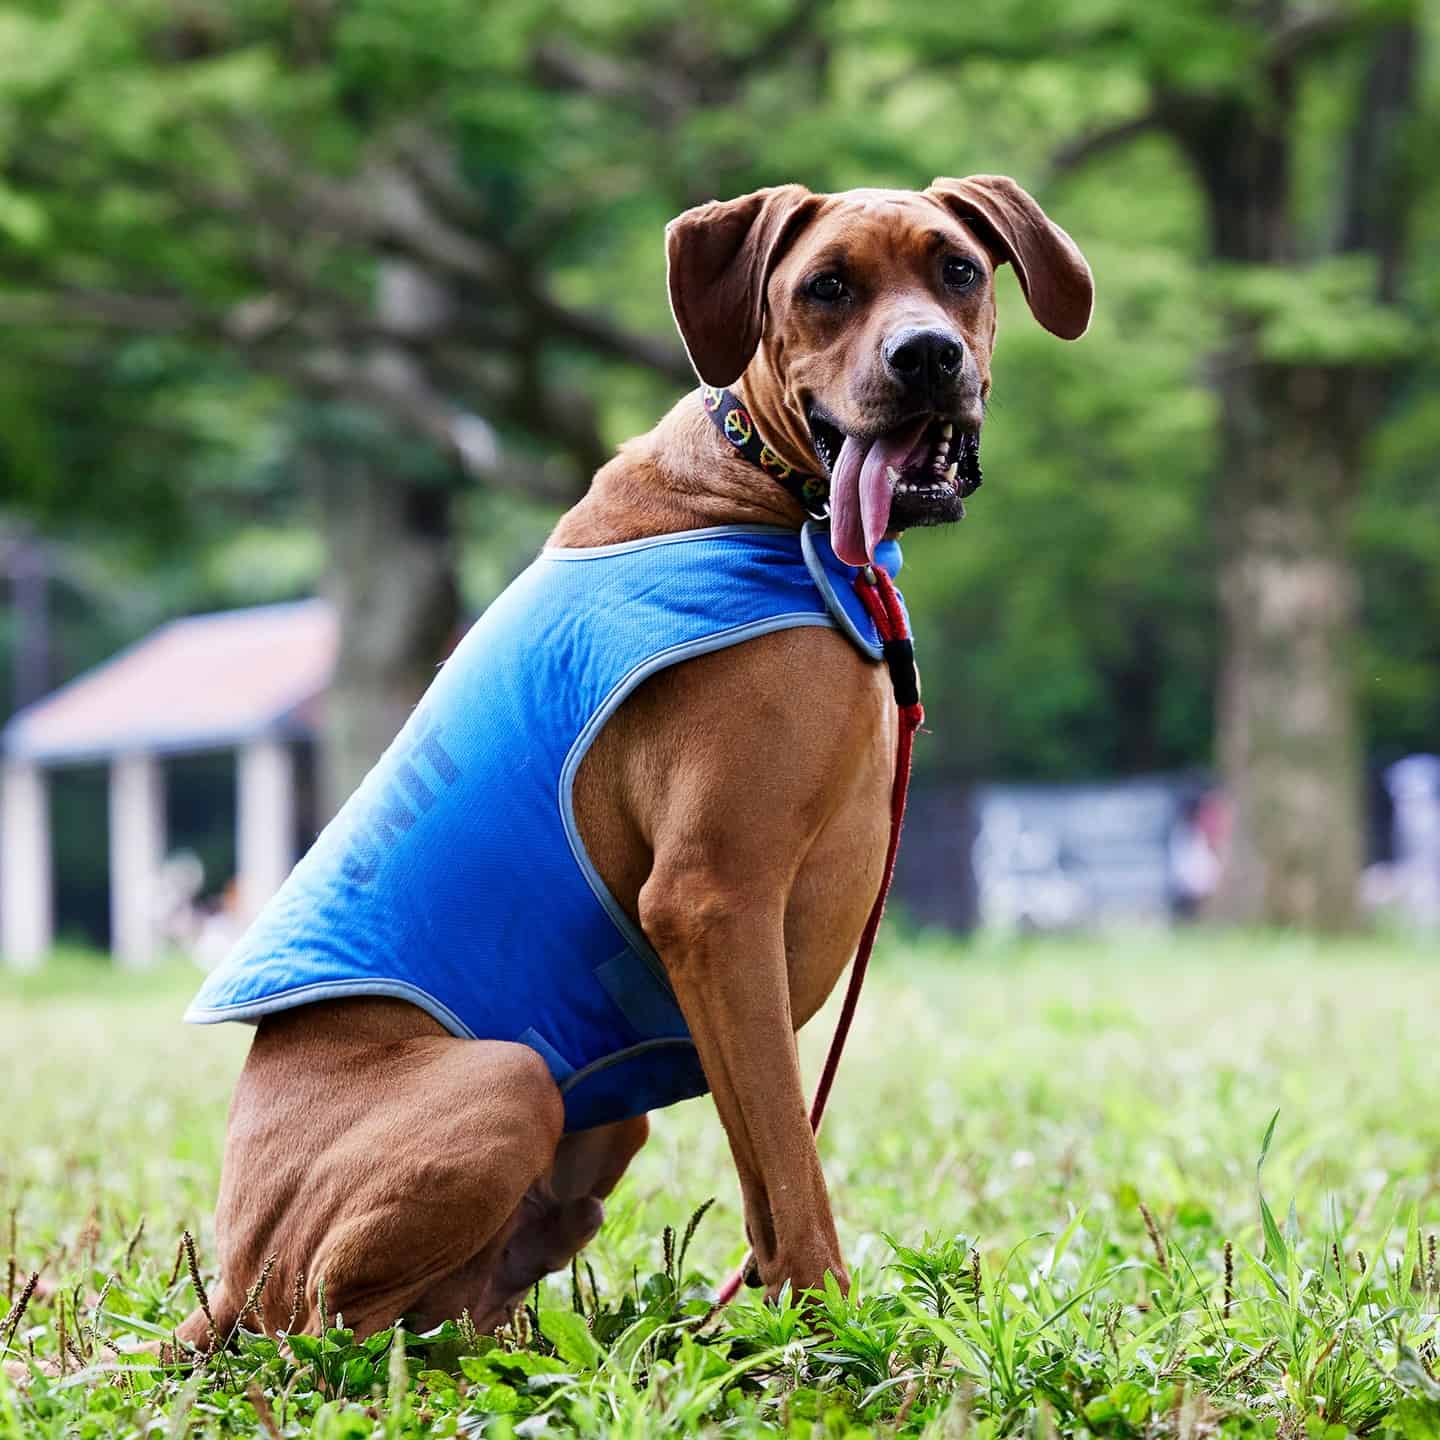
x=1051 y=270
x=720 y=256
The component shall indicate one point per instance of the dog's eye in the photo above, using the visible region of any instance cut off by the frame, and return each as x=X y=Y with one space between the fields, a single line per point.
x=961 y=274
x=826 y=287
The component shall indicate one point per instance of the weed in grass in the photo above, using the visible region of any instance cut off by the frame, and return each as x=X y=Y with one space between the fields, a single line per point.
x=1080 y=1313
x=1041 y=1341
x=11 y=1322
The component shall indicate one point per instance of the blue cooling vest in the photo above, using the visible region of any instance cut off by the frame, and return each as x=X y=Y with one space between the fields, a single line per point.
x=455 y=876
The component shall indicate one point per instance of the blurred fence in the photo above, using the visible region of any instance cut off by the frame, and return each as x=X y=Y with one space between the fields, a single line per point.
x=1139 y=851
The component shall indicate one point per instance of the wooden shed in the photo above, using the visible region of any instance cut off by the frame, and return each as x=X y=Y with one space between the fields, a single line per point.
x=251 y=681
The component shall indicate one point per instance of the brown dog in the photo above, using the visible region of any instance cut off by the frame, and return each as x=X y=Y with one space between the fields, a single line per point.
x=420 y=1174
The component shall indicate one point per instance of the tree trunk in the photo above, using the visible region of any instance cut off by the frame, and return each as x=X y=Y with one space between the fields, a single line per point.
x=1289 y=749
x=392 y=580
x=387 y=515
x=1291 y=759
x=1291 y=435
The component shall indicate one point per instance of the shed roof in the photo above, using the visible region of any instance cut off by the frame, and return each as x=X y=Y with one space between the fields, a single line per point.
x=205 y=682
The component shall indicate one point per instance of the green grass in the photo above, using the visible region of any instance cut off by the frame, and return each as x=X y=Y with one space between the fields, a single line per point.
x=1001 y=1117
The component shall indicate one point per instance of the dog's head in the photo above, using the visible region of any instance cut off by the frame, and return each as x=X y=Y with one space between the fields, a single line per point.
x=868 y=317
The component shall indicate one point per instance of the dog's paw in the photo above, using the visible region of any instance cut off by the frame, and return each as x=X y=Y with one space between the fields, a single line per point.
x=807 y=1277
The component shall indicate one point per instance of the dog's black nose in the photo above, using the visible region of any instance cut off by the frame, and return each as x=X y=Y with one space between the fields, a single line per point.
x=923 y=360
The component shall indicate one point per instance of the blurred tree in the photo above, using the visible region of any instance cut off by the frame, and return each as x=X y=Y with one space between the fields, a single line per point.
x=279 y=185
x=1055 y=638
x=1310 y=347
x=392 y=262
x=1308 y=289
x=1302 y=395
x=1299 y=411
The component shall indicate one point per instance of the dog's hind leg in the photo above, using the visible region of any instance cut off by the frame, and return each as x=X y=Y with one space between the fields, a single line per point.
x=557 y=1217
x=372 y=1152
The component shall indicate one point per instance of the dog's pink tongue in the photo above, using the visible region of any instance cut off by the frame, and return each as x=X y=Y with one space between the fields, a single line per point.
x=847 y=528
x=860 y=491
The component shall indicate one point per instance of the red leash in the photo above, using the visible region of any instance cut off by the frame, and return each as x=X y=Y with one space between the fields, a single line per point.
x=877 y=594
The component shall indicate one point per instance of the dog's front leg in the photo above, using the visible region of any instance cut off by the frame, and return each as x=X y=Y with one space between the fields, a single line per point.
x=723 y=947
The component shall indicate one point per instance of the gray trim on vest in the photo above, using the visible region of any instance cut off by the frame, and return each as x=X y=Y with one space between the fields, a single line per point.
x=617 y=1056
x=670 y=537
x=824 y=582
x=253 y=1010
x=689 y=650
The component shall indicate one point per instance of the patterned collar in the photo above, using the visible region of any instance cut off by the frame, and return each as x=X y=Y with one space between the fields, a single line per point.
x=732 y=420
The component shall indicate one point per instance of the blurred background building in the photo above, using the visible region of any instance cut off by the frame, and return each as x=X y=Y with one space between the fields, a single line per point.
x=245 y=688
x=347 y=298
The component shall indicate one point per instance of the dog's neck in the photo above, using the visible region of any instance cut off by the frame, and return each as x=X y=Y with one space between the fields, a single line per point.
x=683 y=475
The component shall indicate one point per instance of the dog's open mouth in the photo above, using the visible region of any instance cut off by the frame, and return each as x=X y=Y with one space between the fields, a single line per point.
x=919 y=473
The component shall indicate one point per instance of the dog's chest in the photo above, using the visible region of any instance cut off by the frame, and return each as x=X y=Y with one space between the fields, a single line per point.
x=837 y=882
x=804 y=767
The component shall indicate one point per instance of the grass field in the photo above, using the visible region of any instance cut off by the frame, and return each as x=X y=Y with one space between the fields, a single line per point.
x=1002 y=1117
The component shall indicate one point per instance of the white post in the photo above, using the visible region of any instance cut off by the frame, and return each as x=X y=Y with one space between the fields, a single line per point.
x=137 y=850
x=27 y=905
x=265 y=821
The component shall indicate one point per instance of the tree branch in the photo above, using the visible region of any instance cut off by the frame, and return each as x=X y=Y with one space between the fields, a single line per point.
x=402 y=393
x=266 y=318
x=451 y=295
x=689 y=73
x=1083 y=148
x=775 y=47
x=656 y=91
x=1377 y=191
x=954 y=47
x=601 y=336
x=396 y=213
x=1302 y=33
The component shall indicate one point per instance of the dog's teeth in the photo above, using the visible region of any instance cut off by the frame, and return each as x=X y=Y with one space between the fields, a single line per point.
x=950 y=473
x=947 y=430
x=892 y=475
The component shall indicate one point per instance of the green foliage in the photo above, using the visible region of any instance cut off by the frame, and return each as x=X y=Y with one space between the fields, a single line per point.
x=1294 y=311
x=1067 y=628
x=1319 y=1347
x=1035 y=1095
